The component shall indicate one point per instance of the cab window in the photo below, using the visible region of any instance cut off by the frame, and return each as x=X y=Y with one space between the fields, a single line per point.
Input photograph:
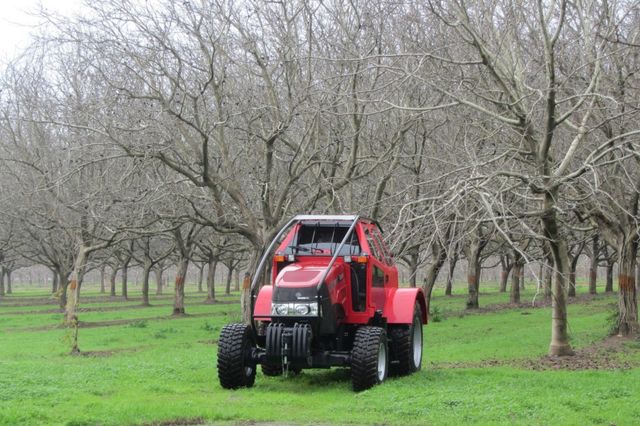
x=386 y=257
x=314 y=239
x=378 y=277
x=373 y=246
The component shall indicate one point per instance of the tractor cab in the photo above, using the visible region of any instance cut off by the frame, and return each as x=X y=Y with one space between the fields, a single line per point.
x=333 y=265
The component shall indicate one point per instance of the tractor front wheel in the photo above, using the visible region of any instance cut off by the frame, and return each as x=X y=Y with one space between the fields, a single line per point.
x=406 y=345
x=234 y=346
x=369 y=358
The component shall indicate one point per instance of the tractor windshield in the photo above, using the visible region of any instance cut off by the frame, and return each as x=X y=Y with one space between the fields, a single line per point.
x=323 y=239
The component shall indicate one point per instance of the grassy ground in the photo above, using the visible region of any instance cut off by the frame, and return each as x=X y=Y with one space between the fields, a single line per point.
x=484 y=368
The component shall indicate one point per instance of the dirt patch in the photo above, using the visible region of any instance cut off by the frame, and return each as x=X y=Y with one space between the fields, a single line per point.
x=103 y=354
x=26 y=301
x=540 y=302
x=256 y=423
x=110 y=323
x=105 y=308
x=181 y=421
x=603 y=355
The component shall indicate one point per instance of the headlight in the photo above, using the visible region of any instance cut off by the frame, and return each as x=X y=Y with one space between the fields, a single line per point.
x=302 y=309
x=280 y=309
x=295 y=309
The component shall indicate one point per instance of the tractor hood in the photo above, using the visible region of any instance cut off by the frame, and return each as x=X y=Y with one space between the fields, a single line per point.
x=298 y=282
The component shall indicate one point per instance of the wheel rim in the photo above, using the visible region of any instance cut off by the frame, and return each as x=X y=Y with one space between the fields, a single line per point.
x=417 y=344
x=382 y=362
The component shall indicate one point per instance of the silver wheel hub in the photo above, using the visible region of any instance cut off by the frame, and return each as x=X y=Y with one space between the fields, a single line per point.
x=382 y=362
x=417 y=344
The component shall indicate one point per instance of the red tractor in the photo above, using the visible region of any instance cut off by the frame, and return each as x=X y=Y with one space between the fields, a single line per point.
x=334 y=301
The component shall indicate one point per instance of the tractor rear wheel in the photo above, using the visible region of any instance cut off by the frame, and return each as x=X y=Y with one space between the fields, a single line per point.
x=369 y=358
x=406 y=345
x=236 y=341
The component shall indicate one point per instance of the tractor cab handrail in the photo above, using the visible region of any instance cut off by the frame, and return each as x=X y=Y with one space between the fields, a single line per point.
x=268 y=251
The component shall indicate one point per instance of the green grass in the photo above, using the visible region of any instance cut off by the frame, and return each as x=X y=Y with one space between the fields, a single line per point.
x=155 y=368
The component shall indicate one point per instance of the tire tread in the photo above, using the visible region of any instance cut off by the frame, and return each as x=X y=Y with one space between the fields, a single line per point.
x=364 y=357
x=231 y=347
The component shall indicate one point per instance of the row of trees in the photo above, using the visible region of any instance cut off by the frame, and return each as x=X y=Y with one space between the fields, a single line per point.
x=494 y=128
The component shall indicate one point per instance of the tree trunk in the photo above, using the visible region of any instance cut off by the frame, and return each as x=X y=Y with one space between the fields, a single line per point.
x=450 y=271
x=200 y=277
x=627 y=324
x=571 y=292
x=413 y=268
x=71 y=317
x=181 y=275
x=2 y=291
x=559 y=344
x=572 y=269
x=521 y=277
x=237 y=279
x=9 y=288
x=609 y=284
x=438 y=256
x=54 y=282
x=112 y=282
x=102 y=279
x=548 y=278
x=473 y=279
x=125 y=273
x=80 y=279
x=539 y=280
x=593 y=266
x=146 y=271
x=245 y=298
x=227 y=289
x=507 y=266
x=63 y=284
x=158 y=273
x=211 y=277
x=514 y=297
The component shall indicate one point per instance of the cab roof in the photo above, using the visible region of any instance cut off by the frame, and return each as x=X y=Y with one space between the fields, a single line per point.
x=333 y=218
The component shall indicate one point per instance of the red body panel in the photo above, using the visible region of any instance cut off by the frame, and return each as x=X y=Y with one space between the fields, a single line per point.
x=382 y=292
x=400 y=303
x=262 y=309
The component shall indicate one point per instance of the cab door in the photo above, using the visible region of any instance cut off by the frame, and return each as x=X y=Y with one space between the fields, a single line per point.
x=391 y=271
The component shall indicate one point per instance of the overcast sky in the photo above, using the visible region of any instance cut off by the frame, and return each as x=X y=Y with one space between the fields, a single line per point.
x=16 y=24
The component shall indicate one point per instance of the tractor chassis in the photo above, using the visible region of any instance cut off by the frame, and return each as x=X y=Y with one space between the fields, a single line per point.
x=292 y=346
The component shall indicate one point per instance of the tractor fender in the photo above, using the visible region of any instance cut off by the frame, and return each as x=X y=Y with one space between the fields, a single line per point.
x=398 y=307
x=262 y=308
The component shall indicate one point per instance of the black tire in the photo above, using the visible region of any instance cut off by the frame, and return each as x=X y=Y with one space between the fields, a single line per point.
x=271 y=370
x=405 y=341
x=276 y=370
x=367 y=366
x=236 y=340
